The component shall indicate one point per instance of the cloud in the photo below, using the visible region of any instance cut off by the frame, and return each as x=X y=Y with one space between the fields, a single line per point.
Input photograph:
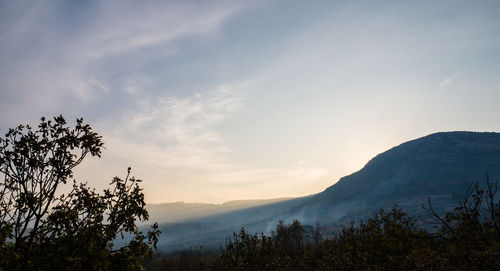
x=136 y=26
x=71 y=60
x=182 y=128
x=448 y=81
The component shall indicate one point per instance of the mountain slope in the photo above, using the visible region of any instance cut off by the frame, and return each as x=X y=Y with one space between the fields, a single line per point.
x=440 y=166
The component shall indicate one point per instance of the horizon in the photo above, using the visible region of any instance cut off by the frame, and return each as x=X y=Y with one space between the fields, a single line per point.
x=248 y=100
x=288 y=198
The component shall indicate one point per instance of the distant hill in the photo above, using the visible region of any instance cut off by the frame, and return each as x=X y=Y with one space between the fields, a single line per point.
x=182 y=211
x=440 y=166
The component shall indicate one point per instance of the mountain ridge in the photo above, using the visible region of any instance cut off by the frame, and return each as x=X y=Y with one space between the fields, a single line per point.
x=440 y=166
x=173 y=212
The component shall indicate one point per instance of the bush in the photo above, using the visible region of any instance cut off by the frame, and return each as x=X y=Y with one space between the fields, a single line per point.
x=469 y=236
x=43 y=230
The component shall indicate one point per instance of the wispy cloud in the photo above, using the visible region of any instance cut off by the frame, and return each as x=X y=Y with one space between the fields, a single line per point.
x=448 y=81
x=133 y=26
x=181 y=128
x=78 y=59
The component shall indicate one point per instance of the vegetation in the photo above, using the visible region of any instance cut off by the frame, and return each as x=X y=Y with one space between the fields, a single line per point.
x=43 y=229
x=467 y=238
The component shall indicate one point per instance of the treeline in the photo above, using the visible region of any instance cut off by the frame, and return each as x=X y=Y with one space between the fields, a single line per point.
x=468 y=238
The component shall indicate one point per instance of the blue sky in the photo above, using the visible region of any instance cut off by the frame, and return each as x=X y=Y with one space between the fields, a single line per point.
x=211 y=101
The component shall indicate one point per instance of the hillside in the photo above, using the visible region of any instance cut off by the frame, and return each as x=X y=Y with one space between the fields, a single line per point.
x=440 y=166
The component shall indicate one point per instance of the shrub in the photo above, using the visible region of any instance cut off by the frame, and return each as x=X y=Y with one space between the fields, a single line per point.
x=43 y=230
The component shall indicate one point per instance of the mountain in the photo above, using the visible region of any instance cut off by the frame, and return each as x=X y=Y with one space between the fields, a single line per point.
x=440 y=166
x=181 y=211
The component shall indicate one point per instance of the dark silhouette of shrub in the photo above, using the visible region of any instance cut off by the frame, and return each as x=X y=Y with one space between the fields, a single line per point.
x=189 y=259
x=43 y=230
x=386 y=241
x=469 y=236
x=289 y=238
x=246 y=251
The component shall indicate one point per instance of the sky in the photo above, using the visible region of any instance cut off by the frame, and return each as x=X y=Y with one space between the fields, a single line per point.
x=211 y=101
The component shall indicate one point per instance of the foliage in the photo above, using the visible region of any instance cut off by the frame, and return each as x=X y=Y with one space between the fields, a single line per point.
x=246 y=251
x=470 y=235
x=386 y=241
x=43 y=230
x=289 y=238
x=190 y=259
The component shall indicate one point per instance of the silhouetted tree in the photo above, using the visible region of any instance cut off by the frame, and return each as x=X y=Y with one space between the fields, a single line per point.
x=470 y=235
x=43 y=230
x=289 y=238
x=317 y=233
x=246 y=251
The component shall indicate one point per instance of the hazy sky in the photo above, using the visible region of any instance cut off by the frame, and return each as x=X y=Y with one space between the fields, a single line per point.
x=211 y=101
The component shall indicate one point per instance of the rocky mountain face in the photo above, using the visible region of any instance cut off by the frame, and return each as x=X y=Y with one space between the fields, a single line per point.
x=440 y=166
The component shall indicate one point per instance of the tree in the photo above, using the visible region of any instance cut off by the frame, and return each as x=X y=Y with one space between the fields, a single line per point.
x=43 y=229
x=389 y=240
x=289 y=238
x=317 y=233
x=470 y=234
